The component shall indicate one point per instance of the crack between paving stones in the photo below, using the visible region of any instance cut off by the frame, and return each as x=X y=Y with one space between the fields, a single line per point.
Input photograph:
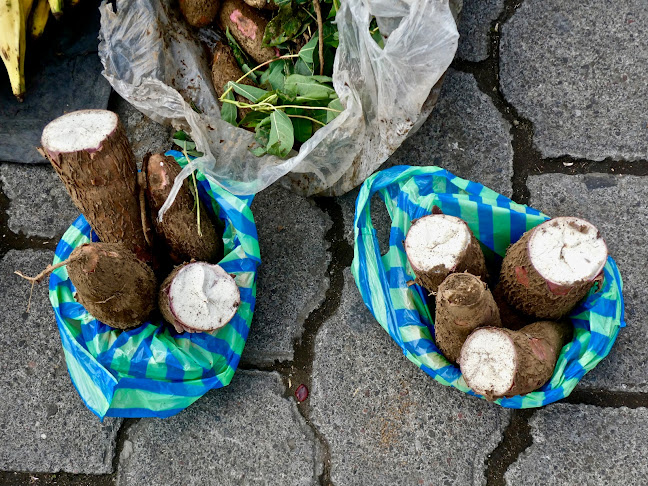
x=515 y=440
x=607 y=399
x=18 y=241
x=299 y=370
x=527 y=159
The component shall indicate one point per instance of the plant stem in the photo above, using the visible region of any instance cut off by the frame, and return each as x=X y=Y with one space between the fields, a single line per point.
x=196 y=196
x=238 y=104
x=229 y=89
x=320 y=30
x=307 y=118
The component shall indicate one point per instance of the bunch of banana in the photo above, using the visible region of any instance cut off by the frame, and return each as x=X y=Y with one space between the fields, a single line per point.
x=17 y=18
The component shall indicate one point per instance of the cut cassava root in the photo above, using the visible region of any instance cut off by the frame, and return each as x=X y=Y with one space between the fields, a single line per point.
x=498 y=362
x=552 y=267
x=463 y=303
x=439 y=244
x=112 y=284
x=179 y=229
x=91 y=154
x=198 y=297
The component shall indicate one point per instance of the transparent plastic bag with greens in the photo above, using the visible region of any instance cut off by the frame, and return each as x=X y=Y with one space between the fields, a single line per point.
x=157 y=64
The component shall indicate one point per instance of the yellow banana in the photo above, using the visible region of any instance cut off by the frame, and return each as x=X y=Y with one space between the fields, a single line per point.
x=56 y=6
x=12 y=43
x=27 y=6
x=39 y=18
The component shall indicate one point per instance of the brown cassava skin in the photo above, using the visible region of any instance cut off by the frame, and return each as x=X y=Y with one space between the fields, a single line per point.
x=247 y=25
x=471 y=260
x=225 y=69
x=528 y=292
x=463 y=303
x=103 y=185
x=537 y=347
x=113 y=284
x=262 y=4
x=199 y=13
x=510 y=317
x=178 y=229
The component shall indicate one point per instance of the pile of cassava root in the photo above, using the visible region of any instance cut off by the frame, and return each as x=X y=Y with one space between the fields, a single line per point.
x=116 y=280
x=506 y=342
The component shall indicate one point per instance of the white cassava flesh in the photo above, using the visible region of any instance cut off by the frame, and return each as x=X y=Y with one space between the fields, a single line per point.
x=437 y=241
x=203 y=297
x=567 y=250
x=79 y=130
x=488 y=362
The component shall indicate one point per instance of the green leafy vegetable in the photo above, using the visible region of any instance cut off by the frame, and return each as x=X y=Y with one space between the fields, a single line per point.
x=282 y=136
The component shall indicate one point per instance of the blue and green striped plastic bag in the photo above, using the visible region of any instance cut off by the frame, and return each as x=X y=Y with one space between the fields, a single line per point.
x=496 y=221
x=152 y=371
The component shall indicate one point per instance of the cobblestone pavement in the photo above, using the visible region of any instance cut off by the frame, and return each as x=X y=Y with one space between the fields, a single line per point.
x=546 y=102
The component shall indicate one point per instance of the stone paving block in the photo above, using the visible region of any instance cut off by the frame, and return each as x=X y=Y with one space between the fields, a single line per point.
x=246 y=433
x=465 y=134
x=39 y=204
x=144 y=134
x=616 y=205
x=581 y=444
x=475 y=26
x=387 y=422
x=44 y=425
x=293 y=277
x=577 y=71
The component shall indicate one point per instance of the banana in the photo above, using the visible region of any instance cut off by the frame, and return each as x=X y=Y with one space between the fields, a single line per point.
x=56 y=6
x=39 y=18
x=12 y=43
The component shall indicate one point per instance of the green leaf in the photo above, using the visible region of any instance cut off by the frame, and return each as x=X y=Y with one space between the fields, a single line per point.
x=258 y=151
x=184 y=144
x=303 y=129
x=307 y=88
x=285 y=25
x=306 y=53
x=252 y=93
x=241 y=57
x=180 y=135
x=336 y=105
x=262 y=132
x=229 y=110
x=252 y=119
x=304 y=69
x=274 y=76
x=282 y=137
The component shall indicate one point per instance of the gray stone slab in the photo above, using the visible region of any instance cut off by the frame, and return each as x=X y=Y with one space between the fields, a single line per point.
x=246 y=433
x=465 y=134
x=616 y=205
x=293 y=277
x=44 y=425
x=577 y=70
x=385 y=420
x=39 y=203
x=144 y=134
x=475 y=26
x=580 y=444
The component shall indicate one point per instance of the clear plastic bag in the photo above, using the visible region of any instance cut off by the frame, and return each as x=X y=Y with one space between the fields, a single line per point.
x=159 y=66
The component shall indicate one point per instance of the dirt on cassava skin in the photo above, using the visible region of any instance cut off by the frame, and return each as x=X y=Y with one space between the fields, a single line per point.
x=113 y=284
x=528 y=292
x=463 y=303
x=178 y=230
x=103 y=185
x=226 y=69
x=537 y=347
x=164 y=303
x=199 y=13
x=471 y=260
x=247 y=25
